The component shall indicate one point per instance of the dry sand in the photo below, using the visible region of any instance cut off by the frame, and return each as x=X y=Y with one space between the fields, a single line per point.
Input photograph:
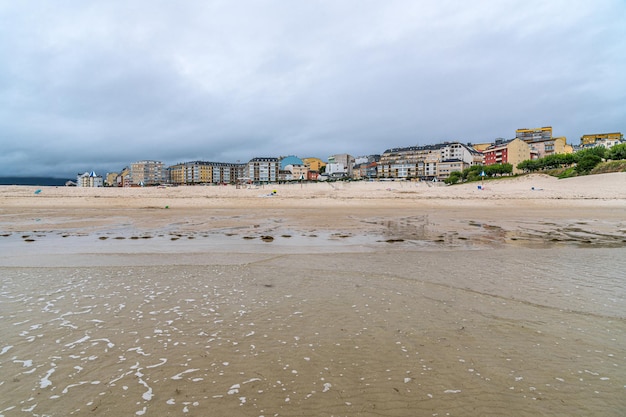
x=375 y=299
x=536 y=188
x=531 y=209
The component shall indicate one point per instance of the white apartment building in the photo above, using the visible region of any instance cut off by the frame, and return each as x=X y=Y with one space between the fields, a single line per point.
x=89 y=180
x=423 y=161
x=263 y=169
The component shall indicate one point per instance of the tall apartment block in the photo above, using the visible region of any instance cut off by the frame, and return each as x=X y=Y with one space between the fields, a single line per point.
x=592 y=138
x=147 y=172
x=263 y=169
x=203 y=172
x=534 y=134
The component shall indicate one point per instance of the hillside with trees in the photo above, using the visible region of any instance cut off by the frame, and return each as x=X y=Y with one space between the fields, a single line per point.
x=597 y=160
x=584 y=162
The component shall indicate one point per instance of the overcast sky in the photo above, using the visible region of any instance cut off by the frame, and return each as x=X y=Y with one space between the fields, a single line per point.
x=96 y=85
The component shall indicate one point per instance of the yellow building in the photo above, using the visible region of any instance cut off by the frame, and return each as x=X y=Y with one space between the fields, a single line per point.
x=595 y=137
x=537 y=133
x=445 y=168
x=299 y=172
x=542 y=143
x=124 y=178
x=118 y=179
x=111 y=179
x=314 y=164
x=177 y=173
x=200 y=173
x=561 y=145
x=508 y=152
x=481 y=146
x=203 y=172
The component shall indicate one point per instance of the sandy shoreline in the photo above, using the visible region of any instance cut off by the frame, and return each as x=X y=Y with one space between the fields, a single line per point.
x=610 y=189
x=580 y=211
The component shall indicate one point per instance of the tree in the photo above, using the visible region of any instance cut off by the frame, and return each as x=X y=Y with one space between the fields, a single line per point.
x=587 y=163
x=497 y=169
x=455 y=176
x=529 y=165
x=599 y=151
x=617 y=152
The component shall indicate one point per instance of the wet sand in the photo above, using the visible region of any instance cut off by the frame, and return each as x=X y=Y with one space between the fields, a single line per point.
x=408 y=304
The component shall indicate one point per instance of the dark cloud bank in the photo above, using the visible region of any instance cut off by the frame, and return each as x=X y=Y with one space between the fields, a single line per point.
x=97 y=85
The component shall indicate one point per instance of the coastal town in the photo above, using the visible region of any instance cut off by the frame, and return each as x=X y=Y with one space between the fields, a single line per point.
x=426 y=163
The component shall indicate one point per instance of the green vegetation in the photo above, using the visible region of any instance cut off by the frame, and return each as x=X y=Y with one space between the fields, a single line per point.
x=473 y=173
x=586 y=163
x=565 y=173
x=617 y=152
x=549 y=162
x=583 y=162
x=610 y=166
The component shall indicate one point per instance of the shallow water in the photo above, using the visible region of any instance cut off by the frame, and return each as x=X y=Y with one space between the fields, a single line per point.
x=310 y=324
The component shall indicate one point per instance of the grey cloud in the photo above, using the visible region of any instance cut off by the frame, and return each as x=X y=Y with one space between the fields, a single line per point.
x=102 y=84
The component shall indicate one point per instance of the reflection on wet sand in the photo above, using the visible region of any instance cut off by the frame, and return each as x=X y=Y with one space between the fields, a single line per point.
x=426 y=230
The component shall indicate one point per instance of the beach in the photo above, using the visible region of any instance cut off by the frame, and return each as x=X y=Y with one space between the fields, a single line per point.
x=331 y=299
